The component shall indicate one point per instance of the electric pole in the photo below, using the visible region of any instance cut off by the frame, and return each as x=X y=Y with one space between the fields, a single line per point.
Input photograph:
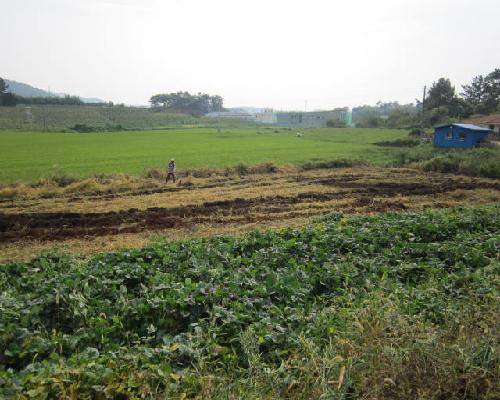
x=423 y=107
x=218 y=124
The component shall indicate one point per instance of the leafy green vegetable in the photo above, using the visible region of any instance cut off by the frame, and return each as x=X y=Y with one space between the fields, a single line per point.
x=146 y=322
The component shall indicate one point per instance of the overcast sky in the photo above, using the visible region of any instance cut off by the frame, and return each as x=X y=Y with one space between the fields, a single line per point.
x=270 y=53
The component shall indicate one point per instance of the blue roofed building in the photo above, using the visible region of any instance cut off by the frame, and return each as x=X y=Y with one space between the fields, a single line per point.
x=460 y=136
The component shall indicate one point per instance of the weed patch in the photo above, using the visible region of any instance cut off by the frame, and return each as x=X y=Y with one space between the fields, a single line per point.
x=399 y=143
x=331 y=164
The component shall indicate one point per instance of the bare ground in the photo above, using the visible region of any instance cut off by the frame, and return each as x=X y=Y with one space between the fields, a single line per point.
x=109 y=219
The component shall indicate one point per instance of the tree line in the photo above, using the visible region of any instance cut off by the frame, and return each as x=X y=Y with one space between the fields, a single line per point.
x=481 y=96
x=442 y=104
x=390 y=114
x=197 y=104
x=9 y=99
x=55 y=101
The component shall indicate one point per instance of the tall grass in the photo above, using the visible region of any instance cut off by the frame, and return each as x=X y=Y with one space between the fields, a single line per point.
x=483 y=162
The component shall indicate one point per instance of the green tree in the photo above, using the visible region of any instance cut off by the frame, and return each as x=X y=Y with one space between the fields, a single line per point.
x=437 y=115
x=483 y=94
x=216 y=103
x=492 y=92
x=7 y=99
x=442 y=102
x=460 y=108
x=401 y=118
x=475 y=92
x=198 y=104
x=441 y=94
x=373 y=116
x=3 y=86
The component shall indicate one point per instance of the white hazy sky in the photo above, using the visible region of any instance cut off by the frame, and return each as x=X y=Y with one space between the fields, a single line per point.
x=273 y=53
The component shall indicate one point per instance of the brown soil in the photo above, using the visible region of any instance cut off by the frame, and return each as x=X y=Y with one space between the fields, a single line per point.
x=354 y=192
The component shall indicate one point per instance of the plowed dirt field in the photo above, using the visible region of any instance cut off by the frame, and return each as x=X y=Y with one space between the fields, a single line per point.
x=105 y=219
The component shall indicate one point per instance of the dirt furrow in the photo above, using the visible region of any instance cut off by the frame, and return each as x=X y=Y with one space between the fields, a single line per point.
x=61 y=225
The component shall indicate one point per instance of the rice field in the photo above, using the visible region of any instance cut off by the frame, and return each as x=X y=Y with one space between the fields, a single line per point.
x=29 y=156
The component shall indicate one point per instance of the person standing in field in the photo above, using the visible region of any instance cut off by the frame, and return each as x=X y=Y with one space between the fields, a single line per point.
x=171 y=170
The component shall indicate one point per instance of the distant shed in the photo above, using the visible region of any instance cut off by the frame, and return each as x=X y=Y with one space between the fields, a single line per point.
x=461 y=136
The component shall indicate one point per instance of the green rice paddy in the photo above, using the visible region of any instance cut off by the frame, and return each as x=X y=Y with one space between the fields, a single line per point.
x=29 y=156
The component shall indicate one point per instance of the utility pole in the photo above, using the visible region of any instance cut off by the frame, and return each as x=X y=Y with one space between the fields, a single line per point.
x=45 y=112
x=218 y=122
x=423 y=107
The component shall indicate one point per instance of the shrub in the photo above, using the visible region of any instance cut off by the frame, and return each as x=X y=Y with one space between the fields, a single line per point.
x=416 y=132
x=472 y=162
x=241 y=169
x=442 y=164
x=331 y=164
x=83 y=128
x=399 y=143
x=336 y=123
x=114 y=128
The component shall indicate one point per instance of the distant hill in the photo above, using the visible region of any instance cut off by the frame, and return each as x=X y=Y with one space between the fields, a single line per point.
x=25 y=90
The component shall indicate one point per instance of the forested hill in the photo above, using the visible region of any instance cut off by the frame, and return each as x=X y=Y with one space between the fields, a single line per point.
x=25 y=90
